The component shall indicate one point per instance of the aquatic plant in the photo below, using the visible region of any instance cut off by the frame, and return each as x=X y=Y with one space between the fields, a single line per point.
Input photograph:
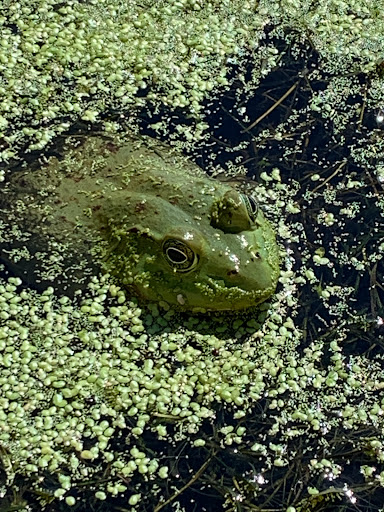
x=107 y=403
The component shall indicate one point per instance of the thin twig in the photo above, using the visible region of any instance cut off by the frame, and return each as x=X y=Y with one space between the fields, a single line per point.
x=188 y=484
x=361 y=117
x=272 y=108
x=329 y=177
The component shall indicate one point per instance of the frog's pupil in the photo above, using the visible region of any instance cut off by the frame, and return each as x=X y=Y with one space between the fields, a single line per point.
x=176 y=255
x=252 y=206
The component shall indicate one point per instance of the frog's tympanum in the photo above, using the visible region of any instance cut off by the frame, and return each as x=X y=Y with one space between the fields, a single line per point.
x=147 y=215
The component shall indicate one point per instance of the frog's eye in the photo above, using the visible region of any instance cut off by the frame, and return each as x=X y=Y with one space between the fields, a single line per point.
x=234 y=212
x=179 y=255
x=251 y=205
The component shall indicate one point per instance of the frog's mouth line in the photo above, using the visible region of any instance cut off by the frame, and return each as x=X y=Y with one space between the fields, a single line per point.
x=220 y=282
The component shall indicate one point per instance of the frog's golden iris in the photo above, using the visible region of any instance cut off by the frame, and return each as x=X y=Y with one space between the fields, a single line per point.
x=146 y=214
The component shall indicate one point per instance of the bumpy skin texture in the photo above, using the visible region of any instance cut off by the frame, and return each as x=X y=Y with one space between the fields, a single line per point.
x=144 y=213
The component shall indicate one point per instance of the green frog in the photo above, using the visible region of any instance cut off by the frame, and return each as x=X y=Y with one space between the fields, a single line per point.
x=144 y=213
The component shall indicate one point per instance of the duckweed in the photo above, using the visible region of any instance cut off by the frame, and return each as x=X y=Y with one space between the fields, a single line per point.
x=136 y=403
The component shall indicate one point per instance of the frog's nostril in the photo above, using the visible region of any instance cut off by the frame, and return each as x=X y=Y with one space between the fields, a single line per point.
x=232 y=272
x=255 y=257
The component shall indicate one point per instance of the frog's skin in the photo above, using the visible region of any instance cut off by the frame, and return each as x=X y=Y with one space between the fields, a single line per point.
x=144 y=213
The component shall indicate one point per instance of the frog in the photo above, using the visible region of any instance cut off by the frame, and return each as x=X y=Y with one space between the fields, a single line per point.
x=142 y=212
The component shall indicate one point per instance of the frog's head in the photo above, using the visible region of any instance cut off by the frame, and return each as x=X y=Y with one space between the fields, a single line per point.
x=217 y=252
